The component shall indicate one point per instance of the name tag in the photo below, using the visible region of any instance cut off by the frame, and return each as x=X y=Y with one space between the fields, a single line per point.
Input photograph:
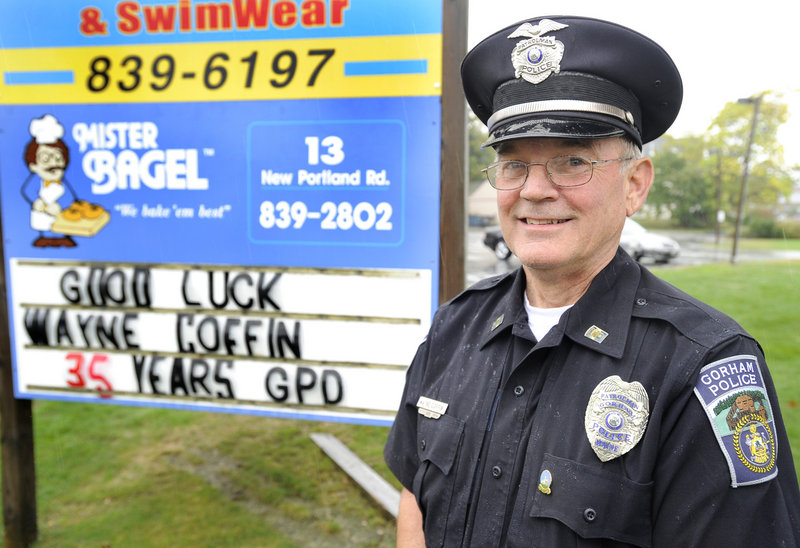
x=431 y=408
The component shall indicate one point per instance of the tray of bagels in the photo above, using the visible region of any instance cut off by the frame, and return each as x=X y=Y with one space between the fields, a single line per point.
x=81 y=218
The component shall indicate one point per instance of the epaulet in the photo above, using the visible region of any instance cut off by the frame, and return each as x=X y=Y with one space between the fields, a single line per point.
x=484 y=285
x=693 y=318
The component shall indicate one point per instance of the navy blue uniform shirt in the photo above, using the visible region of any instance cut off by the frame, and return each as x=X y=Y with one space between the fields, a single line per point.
x=516 y=407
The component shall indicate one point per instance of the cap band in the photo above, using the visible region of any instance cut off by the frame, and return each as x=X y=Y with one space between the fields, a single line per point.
x=559 y=105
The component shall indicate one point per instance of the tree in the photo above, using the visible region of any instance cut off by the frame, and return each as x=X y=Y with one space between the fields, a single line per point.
x=682 y=189
x=695 y=175
x=479 y=157
x=769 y=178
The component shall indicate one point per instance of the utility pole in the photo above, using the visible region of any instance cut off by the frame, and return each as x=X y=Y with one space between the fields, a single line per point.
x=718 y=214
x=756 y=102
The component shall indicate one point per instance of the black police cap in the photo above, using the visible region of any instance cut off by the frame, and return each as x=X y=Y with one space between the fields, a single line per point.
x=571 y=77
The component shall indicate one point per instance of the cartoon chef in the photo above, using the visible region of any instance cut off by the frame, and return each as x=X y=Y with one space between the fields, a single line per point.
x=47 y=157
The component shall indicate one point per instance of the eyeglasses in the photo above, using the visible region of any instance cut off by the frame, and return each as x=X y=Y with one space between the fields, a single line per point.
x=566 y=171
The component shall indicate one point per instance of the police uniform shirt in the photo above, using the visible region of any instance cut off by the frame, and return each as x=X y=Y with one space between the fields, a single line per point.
x=515 y=415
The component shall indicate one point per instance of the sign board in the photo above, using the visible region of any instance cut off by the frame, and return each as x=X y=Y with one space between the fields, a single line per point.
x=226 y=205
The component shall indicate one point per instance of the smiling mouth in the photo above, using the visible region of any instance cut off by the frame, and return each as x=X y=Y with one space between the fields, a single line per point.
x=546 y=221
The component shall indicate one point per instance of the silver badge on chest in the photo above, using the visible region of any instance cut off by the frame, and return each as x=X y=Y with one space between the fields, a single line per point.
x=616 y=417
x=539 y=56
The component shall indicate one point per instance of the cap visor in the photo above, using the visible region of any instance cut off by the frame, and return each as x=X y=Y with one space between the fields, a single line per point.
x=561 y=127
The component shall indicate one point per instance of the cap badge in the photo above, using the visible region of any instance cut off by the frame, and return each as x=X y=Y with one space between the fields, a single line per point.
x=539 y=56
x=616 y=417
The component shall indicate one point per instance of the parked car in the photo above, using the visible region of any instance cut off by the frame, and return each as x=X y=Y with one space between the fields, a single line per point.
x=640 y=242
x=636 y=240
x=631 y=244
x=493 y=239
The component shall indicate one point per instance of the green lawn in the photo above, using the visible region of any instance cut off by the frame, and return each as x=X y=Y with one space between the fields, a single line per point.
x=785 y=244
x=119 y=476
x=113 y=476
x=763 y=298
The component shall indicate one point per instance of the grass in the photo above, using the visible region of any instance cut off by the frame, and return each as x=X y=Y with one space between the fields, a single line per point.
x=113 y=476
x=763 y=298
x=778 y=244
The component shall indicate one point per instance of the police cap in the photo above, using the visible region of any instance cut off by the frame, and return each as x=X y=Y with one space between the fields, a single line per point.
x=571 y=77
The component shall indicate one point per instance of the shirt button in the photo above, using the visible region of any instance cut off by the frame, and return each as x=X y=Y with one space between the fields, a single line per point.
x=589 y=515
x=497 y=471
x=641 y=301
x=422 y=445
x=519 y=390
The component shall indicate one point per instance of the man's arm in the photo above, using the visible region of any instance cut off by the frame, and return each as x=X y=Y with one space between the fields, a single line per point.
x=409 y=522
x=695 y=503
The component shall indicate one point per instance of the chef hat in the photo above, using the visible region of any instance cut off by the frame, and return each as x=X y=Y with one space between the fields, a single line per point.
x=46 y=130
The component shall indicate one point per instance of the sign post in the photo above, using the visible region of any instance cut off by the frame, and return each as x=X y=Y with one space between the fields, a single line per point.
x=455 y=152
x=19 y=469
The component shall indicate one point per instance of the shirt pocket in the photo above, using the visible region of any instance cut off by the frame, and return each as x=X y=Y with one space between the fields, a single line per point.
x=438 y=444
x=593 y=503
x=439 y=440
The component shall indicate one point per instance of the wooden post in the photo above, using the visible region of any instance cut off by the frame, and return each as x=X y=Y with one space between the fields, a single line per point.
x=16 y=421
x=452 y=219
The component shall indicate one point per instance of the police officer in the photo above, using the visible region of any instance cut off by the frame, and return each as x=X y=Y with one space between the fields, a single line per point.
x=581 y=401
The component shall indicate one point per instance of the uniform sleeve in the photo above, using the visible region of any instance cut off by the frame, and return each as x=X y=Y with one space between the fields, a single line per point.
x=695 y=502
x=400 y=451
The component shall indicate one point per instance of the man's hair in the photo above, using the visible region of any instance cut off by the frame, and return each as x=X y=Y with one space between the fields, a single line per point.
x=33 y=146
x=629 y=149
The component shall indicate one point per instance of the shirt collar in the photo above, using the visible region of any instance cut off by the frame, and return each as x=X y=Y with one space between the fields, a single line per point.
x=509 y=309
x=599 y=320
x=601 y=317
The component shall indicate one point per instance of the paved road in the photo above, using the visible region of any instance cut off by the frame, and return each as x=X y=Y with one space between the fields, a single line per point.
x=696 y=248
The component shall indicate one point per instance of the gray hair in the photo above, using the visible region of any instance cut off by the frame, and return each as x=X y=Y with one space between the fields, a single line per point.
x=629 y=149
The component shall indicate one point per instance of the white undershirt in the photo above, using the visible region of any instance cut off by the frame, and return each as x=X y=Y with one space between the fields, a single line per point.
x=542 y=320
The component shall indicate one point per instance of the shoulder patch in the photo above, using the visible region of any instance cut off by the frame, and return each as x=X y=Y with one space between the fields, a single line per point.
x=733 y=395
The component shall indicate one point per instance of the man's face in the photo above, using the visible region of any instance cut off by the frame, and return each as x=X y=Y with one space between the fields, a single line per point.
x=572 y=230
x=50 y=163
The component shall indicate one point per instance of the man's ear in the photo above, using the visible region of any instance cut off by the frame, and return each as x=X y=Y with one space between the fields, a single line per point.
x=640 y=177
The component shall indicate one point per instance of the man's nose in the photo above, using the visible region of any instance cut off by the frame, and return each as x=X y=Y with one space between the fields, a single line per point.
x=537 y=183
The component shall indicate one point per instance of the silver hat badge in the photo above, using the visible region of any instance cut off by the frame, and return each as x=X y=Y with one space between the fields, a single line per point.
x=616 y=417
x=539 y=56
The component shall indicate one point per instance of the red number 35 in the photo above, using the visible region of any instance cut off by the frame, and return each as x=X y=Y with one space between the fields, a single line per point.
x=81 y=368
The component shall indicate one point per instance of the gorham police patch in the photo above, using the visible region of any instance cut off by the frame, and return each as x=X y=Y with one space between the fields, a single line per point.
x=736 y=402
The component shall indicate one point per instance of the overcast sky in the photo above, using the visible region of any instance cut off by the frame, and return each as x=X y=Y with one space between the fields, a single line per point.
x=724 y=50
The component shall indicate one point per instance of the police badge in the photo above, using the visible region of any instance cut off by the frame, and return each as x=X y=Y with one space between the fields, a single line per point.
x=616 y=417
x=540 y=56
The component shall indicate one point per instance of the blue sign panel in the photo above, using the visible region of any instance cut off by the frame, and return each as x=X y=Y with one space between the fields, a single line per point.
x=250 y=151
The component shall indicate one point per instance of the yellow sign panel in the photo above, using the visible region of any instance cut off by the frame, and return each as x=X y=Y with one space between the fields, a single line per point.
x=227 y=71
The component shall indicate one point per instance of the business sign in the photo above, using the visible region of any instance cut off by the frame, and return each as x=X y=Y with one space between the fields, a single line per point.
x=220 y=205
